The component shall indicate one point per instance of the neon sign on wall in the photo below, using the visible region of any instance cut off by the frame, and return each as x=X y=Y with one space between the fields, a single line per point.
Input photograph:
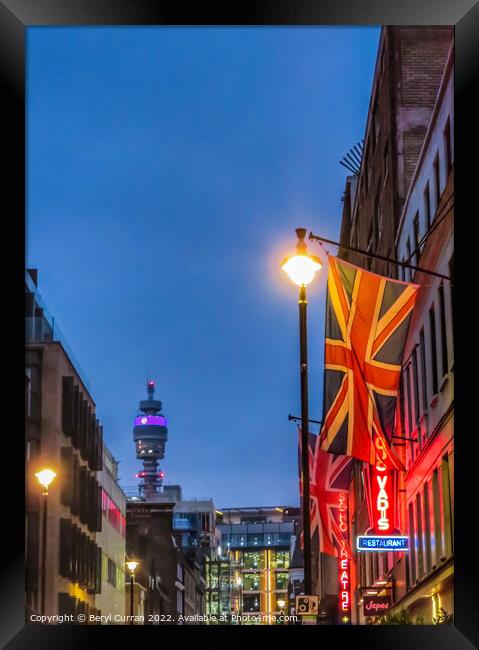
x=344 y=564
x=381 y=489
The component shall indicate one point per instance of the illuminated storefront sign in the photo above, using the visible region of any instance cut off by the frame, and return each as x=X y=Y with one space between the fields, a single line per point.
x=376 y=605
x=344 y=564
x=382 y=543
x=157 y=420
x=381 y=492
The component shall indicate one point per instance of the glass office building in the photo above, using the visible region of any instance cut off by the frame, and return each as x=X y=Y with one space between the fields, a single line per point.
x=257 y=543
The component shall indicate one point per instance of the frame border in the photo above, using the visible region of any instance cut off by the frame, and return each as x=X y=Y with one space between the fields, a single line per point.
x=18 y=15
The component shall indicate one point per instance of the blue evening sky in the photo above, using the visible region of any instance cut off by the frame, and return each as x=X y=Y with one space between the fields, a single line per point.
x=167 y=170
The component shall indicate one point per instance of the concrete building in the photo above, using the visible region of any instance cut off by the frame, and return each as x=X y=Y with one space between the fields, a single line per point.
x=112 y=541
x=62 y=433
x=401 y=207
x=257 y=543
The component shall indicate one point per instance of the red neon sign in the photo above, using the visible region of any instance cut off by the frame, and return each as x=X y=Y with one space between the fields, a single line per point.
x=344 y=563
x=382 y=495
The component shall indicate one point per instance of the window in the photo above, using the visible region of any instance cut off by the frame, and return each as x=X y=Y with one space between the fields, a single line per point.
x=112 y=513
x=451 y=275
x=66 y=547
x=427 y=526
x=408 y=401
x=416 y=237
x=420 y=548
x=251 y=603
x=251 y=582
x=436 y=498
x=437 y=181
x=280 y=560
x=111 y=573
x=416 y=393
x=254 y=560
x=402 y=405
x=281 y=581
x=412 y=545
x=408 y=398
x=422 y=349
x=427 y=206
x=432 y=325
x=447 y=145
x=33 y=396
x=446 y=498
x=442 y=316
x=408 y=247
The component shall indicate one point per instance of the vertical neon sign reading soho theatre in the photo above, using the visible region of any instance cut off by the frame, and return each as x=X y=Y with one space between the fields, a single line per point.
x=344 y=563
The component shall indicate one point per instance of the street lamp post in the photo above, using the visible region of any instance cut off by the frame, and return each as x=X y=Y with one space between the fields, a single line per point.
x=44 y=477
x=131 y=564
x=301 y=269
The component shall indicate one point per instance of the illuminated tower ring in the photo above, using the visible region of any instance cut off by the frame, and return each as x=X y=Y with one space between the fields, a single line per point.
x=150 y=435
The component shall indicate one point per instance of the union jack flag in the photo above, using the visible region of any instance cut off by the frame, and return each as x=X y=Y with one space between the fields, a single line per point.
x=330 y=476
x=312 y=446
x=367 y=318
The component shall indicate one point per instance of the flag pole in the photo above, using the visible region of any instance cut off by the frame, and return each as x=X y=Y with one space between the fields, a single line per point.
x=376 y=256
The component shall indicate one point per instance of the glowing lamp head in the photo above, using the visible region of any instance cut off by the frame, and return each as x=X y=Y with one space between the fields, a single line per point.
x=301 y=268
x=132 y=564
x=45 y=477
x=281 y=603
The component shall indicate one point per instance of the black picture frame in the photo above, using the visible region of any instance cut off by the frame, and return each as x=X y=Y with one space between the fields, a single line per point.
x=15 y=17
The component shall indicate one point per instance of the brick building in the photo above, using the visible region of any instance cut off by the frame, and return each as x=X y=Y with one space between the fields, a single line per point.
x=399 y=206
x=62 y=433
x=149 y=540
x=408 y=72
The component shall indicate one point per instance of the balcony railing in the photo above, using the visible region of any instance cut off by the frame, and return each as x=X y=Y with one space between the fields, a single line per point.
x=43 y=328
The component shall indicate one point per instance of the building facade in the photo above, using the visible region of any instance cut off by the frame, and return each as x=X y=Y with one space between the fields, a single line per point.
x=408 y=72
x=112 y=541
x=62 y=433
x=256 y=542
x=400 y=206
x=425 y=236
x=150 y=541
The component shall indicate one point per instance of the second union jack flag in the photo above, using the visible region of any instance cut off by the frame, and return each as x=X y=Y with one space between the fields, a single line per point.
x=330 y=476
x=367 y=318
